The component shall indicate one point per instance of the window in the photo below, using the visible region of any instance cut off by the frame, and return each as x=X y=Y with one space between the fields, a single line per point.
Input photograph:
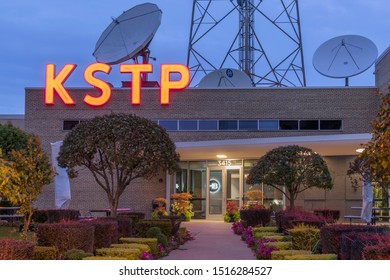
x=248 y=125
x=227 y=125
x=168 y=124
x=308 y=125
x=330 y=124
x=69 y=125
x=288 y=125
x=208 y=125
x=188 y=125
x=268 y=125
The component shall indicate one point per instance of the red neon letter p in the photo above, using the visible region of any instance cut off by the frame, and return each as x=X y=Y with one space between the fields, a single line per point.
x=167 y=84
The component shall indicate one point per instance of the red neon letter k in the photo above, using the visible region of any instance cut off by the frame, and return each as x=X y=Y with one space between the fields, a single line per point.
x=55 y=84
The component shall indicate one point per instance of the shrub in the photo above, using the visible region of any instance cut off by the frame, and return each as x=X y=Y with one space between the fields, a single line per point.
x=353 y=244
x=286 y=220
x=175 y=222
x=125 y=226
x=153 y=232
x=100 y=258
x=45 y=253
x=143 y=226
x=275 y=237
x=55 y=215
x=66 y=235
x=281 y=245
x=254 y=217
x=141 y=247
x=76 y=254
x=328 y=214
x=263 y=250
x=238 y=228
x=331 y=235
x=106 y=232
x=11 y=249
x=281 y=255
x=377 y=252
x=265 y=229
x=304 y=237
x=151 y=242
x=127 y=253
x=261 y=235
x=312 y=257
x=162 y=239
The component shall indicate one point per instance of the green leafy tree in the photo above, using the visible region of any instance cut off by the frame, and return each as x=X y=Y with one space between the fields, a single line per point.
x=24 y=176
x=117 y=149
x=12 y=138
x=291 y=170
x=374 y=162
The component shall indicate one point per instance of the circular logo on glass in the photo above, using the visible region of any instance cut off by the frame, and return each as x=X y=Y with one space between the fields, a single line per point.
x=229 y=73
x=215 y=185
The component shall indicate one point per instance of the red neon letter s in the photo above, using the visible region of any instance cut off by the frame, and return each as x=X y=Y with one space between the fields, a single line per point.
x=136 y=70
x=55 y=84
x=167 y=84
x=93 y=81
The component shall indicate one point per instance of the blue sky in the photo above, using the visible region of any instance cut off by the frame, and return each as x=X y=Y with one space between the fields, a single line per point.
x=35 y=33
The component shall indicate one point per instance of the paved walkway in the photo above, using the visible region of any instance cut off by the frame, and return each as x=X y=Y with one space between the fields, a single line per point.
x=214 y=240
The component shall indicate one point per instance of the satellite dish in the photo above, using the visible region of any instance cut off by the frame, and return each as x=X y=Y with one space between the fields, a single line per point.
x=129 y=35
x=345 y=56
x=227 y=78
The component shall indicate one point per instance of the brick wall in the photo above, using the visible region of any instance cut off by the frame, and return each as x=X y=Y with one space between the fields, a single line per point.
x=355 y=106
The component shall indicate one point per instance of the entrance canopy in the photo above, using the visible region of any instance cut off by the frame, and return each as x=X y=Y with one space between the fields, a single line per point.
x=325 y=145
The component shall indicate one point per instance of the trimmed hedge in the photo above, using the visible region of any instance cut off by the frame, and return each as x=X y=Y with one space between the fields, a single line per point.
x=261 y=235
x=331 y=235
x=141 y=247
x=254 y=217
x=353 y=244
x=101 y=258
x=281 y=254
x=143 y=226
x=328 y=214
x=75 y=254
x=55 y=215
x=275 y=237
x=125 y=225
x=279 y=245
x=45 y=253
x=304 y=237
x=377 y=252
x=312 y=257
x=11 y=249
x=151 y=242
x=264 y=229
x=106 y=232
x=128 y=254
x=175 y=222
x=286 y=220
x=66 y=235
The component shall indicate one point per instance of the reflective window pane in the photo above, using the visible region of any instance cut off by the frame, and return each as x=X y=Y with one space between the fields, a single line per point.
x=288 y=125
x=208 y=125
x=268 y=125
x=188 y=125
x=170 y=125
x=248 y=125
x=228 y=125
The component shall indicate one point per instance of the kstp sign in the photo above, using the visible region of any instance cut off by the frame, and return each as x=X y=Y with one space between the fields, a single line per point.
x=55 y=83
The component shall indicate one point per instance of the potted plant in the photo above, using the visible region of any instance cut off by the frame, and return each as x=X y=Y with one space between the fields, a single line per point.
x=231 y=215
x=159 y=208
x=182 y=206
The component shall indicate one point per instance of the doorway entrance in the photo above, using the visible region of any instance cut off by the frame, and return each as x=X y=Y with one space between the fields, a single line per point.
x=224 y=185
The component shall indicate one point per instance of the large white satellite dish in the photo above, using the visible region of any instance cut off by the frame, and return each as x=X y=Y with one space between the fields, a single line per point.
x=345 y=56
x=129 y=35
x=226 y=78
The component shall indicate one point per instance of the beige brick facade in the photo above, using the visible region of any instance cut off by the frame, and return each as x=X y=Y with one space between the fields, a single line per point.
x=355 y=106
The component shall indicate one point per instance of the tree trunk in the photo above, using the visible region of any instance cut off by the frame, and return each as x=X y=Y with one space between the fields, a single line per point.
x=292 y=201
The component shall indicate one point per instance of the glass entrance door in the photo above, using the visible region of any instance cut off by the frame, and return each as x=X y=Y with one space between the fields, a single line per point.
x=225 y=184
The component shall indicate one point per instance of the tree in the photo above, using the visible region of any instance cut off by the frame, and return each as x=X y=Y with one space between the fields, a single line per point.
x=117 y=149
x=24 y=176
x=11 y=138
x=291 y=170
x=375 y=157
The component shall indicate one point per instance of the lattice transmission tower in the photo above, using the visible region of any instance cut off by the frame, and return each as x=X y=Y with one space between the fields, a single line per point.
x=260 y=37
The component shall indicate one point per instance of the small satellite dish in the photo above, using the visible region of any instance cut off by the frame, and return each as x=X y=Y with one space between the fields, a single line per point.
x=129 y=35
x=345 y=56
x=227 y=78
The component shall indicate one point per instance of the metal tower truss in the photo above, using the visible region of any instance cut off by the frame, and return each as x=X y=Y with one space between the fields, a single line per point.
x=266 y=43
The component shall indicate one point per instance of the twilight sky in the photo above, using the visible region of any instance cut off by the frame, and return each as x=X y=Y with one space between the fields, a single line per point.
x=34 y=33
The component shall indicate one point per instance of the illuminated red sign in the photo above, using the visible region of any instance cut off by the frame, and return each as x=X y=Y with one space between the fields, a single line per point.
x=55 y=83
